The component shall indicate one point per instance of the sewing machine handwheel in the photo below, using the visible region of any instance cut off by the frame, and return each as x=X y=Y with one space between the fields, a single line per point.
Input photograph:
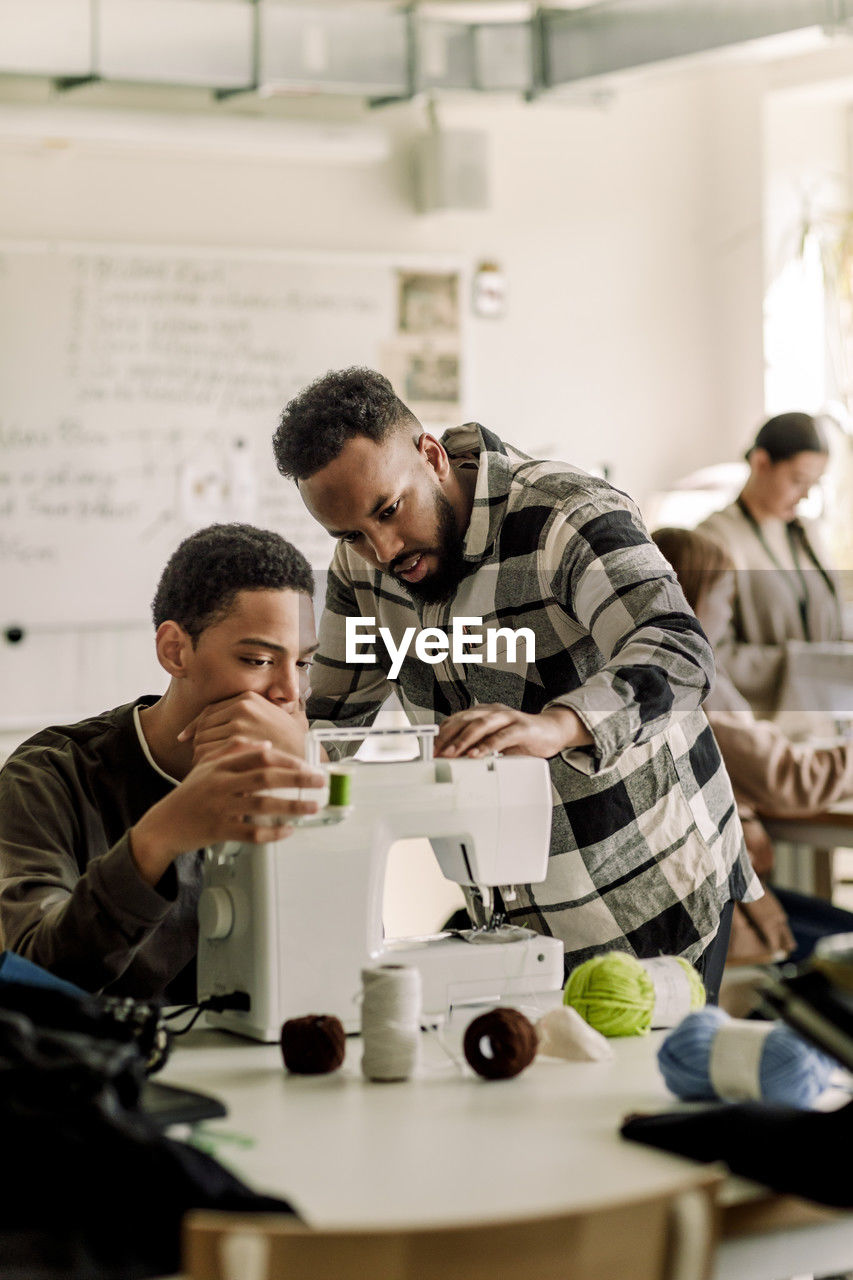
x=215 y=913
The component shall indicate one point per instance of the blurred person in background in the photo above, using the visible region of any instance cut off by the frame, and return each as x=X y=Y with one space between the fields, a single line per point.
x=771 y=775
x=784 y=587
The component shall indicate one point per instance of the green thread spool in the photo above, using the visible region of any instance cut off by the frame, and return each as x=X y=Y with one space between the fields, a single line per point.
x=618 y=994
x=340 y=786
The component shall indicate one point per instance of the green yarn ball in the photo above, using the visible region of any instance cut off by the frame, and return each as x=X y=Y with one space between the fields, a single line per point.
x=615 y=993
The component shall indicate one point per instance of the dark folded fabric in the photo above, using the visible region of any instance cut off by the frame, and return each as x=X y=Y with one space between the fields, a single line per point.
x=93 y=1189
x=102 y=1197
x=786 y=1148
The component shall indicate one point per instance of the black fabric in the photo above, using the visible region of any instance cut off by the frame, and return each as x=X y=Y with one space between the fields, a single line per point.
x=785 y=1148
x=104 y=1018
x=93 y=1189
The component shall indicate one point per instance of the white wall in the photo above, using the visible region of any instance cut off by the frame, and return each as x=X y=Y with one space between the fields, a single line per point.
x=807 y=363
x=806 y=175
x=613 y=226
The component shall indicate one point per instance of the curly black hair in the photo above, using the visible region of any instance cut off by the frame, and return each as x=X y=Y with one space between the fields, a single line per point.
x=344 y=403
x=208 y=569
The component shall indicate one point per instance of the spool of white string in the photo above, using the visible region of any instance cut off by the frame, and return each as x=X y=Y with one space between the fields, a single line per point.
x=390 y=1021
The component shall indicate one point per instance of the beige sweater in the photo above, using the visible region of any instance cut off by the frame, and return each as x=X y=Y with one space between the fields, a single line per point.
x=771 y=775
x=772 y=577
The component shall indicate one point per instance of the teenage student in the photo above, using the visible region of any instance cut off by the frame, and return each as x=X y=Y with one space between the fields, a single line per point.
x=646 y=850
x=104 y=823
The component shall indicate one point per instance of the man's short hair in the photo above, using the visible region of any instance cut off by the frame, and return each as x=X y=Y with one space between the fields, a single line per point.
x=343 y=404
x=203 y=576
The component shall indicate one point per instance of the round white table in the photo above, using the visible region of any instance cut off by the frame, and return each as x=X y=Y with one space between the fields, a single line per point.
x=449 y=1147
x=446 y=1146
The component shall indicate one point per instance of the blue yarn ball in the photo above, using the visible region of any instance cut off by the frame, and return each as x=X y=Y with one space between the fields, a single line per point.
x=790 y=1071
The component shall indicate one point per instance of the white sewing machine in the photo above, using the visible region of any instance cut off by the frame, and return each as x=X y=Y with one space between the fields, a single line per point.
x=291 y=924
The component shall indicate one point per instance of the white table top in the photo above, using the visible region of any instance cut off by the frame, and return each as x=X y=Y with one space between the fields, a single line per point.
x=444 y=1147
x=449 y=1147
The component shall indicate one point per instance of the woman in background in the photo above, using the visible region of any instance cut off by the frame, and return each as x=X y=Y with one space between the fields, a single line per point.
x=771 y=776
x=784 y=588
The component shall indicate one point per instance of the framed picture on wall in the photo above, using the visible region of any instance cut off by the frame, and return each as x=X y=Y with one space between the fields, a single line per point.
x=428 y=302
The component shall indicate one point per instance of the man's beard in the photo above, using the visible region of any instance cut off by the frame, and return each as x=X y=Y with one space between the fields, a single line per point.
x=441 y=584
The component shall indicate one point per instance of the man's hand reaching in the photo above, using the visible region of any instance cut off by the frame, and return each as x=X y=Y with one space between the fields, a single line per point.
x=495 y=727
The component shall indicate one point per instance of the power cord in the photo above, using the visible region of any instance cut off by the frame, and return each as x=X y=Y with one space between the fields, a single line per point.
x=238 y=1000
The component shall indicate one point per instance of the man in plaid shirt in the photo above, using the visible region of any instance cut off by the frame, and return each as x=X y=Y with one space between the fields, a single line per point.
x=646 y=847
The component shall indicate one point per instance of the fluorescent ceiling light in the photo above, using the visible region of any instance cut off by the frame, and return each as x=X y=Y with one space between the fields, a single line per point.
x=260 y=139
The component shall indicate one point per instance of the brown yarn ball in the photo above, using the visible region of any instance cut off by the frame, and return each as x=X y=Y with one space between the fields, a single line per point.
x=313 y=1045
x=511 y=1039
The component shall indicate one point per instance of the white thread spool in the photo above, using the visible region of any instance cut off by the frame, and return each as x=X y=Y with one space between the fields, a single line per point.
x=390 y=1021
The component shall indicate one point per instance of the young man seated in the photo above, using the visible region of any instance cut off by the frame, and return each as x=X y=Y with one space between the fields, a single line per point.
x=103 y=824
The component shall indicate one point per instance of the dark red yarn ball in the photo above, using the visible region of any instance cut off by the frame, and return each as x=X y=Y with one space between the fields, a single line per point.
x=313 y=1045
x=511 y=1038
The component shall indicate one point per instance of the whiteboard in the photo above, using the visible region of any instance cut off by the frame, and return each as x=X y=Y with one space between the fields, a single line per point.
x=140 y=388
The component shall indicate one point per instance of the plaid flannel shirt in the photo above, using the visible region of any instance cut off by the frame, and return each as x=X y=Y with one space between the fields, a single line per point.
x=646 y=844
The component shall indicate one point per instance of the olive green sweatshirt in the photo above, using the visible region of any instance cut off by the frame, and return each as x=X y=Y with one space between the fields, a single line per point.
x=71 y=898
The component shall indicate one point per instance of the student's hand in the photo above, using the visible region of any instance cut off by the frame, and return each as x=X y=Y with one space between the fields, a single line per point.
x=220 y=799
x=494 y=727
x=759 y=846
x=249 y=716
